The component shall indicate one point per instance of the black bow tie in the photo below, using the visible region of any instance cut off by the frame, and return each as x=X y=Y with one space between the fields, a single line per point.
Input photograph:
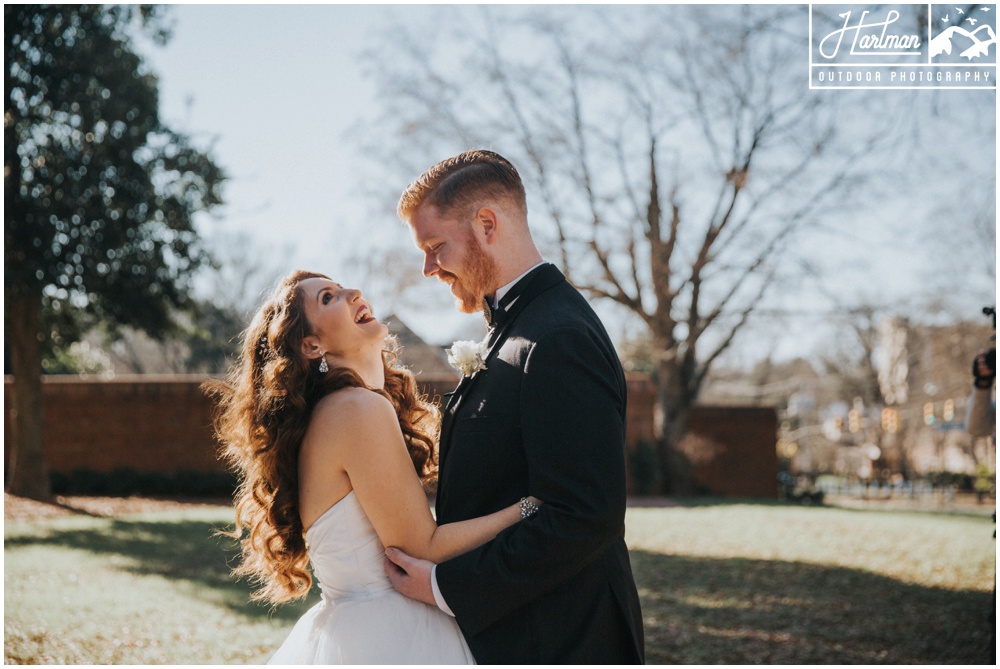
x=495 y=316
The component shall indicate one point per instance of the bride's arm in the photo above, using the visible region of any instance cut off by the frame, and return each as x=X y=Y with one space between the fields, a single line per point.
x=360 y=430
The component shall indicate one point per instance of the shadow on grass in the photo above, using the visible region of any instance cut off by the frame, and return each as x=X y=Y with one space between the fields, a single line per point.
x=184 y=549
x=743 y=611
x=697 y=610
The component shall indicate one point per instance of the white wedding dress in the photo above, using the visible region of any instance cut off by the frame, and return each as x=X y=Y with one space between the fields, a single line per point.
x=362 y=619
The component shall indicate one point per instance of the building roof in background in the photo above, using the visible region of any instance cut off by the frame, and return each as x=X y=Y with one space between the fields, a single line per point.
x=418 y=356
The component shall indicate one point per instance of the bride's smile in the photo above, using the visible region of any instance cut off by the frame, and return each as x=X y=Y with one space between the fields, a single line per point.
x=364 y=315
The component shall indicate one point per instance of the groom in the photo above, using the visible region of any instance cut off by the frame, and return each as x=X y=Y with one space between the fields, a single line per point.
x=546 y=417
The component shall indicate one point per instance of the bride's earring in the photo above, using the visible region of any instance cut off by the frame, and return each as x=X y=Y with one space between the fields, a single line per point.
x=323 y=367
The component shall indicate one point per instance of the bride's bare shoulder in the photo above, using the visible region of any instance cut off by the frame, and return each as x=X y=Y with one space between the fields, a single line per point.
x=352 y=426
x=351 y=407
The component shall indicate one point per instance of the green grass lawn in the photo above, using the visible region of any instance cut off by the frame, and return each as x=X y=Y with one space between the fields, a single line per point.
x=141 y=589
x=720 y=583
x=757 y=583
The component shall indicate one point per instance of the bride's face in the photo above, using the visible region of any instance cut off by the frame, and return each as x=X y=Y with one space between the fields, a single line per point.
x=343 y=324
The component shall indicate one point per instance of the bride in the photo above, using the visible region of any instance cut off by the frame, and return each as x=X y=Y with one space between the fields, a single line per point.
x=331 y=442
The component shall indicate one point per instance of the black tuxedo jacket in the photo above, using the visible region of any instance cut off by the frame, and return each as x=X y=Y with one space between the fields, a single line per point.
x=547 y=418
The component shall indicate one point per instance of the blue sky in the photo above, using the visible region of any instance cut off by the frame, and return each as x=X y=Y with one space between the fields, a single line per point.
x=278 y=90
x=277 y=87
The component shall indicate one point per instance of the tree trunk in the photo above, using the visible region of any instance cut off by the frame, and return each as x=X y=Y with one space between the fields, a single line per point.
x=673 y=416
x=29 y=475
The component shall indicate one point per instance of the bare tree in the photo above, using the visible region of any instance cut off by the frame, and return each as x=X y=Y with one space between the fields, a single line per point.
x=672 y=154
x=854 y=361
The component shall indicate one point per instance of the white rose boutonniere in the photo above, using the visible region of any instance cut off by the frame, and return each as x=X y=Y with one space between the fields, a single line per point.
x=467 y=356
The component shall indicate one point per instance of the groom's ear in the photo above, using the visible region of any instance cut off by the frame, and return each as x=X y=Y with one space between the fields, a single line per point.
x=310 y=347
x=487 y=219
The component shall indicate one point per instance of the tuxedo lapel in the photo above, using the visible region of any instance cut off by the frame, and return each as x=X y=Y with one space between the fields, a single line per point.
x=535 y=283
x=451 y=408
x=540 y=280
x=448 y=414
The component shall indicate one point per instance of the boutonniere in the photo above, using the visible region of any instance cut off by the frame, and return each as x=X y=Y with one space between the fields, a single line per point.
x=467 y=356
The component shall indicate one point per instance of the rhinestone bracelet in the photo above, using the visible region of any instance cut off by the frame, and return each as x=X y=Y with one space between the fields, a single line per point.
x=528 y=508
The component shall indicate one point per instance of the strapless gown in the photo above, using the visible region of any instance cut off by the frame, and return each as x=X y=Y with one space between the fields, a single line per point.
x=361 y=618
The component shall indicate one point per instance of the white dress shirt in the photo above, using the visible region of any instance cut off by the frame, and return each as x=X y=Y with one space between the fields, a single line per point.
x=503 y=290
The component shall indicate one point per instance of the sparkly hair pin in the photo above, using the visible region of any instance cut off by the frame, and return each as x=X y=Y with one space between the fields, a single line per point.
x=262 y=346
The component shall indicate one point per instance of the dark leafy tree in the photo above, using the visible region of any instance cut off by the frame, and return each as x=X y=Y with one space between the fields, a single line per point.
x=99 y=195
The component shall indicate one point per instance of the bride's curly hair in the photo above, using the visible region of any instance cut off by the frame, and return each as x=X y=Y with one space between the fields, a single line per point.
x=264 y=407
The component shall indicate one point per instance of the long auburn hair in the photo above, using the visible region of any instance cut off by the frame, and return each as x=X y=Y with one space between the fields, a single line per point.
x=263 y=411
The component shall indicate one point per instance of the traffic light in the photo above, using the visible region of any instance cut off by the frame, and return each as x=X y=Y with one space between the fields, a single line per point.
x=949 y=410
x=929 y=417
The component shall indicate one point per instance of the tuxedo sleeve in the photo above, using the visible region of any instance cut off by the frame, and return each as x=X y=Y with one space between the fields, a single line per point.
x=571 y=409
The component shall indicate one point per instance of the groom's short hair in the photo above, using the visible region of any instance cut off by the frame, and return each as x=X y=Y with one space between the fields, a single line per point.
x=462 y=182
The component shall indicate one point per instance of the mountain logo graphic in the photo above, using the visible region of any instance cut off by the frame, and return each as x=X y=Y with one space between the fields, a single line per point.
x=960 y=37
x=956 y=37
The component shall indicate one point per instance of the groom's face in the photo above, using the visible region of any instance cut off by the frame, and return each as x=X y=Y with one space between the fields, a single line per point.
x=454 y=254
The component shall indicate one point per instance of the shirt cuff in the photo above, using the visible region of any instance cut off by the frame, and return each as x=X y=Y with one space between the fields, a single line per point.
x=438 y=597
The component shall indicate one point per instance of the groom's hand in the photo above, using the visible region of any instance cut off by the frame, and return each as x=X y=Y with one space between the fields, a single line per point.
x=411 y=576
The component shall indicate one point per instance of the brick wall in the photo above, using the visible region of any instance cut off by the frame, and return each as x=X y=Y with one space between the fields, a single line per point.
x=732 y=450
x=163 y=424
x=145 y=423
